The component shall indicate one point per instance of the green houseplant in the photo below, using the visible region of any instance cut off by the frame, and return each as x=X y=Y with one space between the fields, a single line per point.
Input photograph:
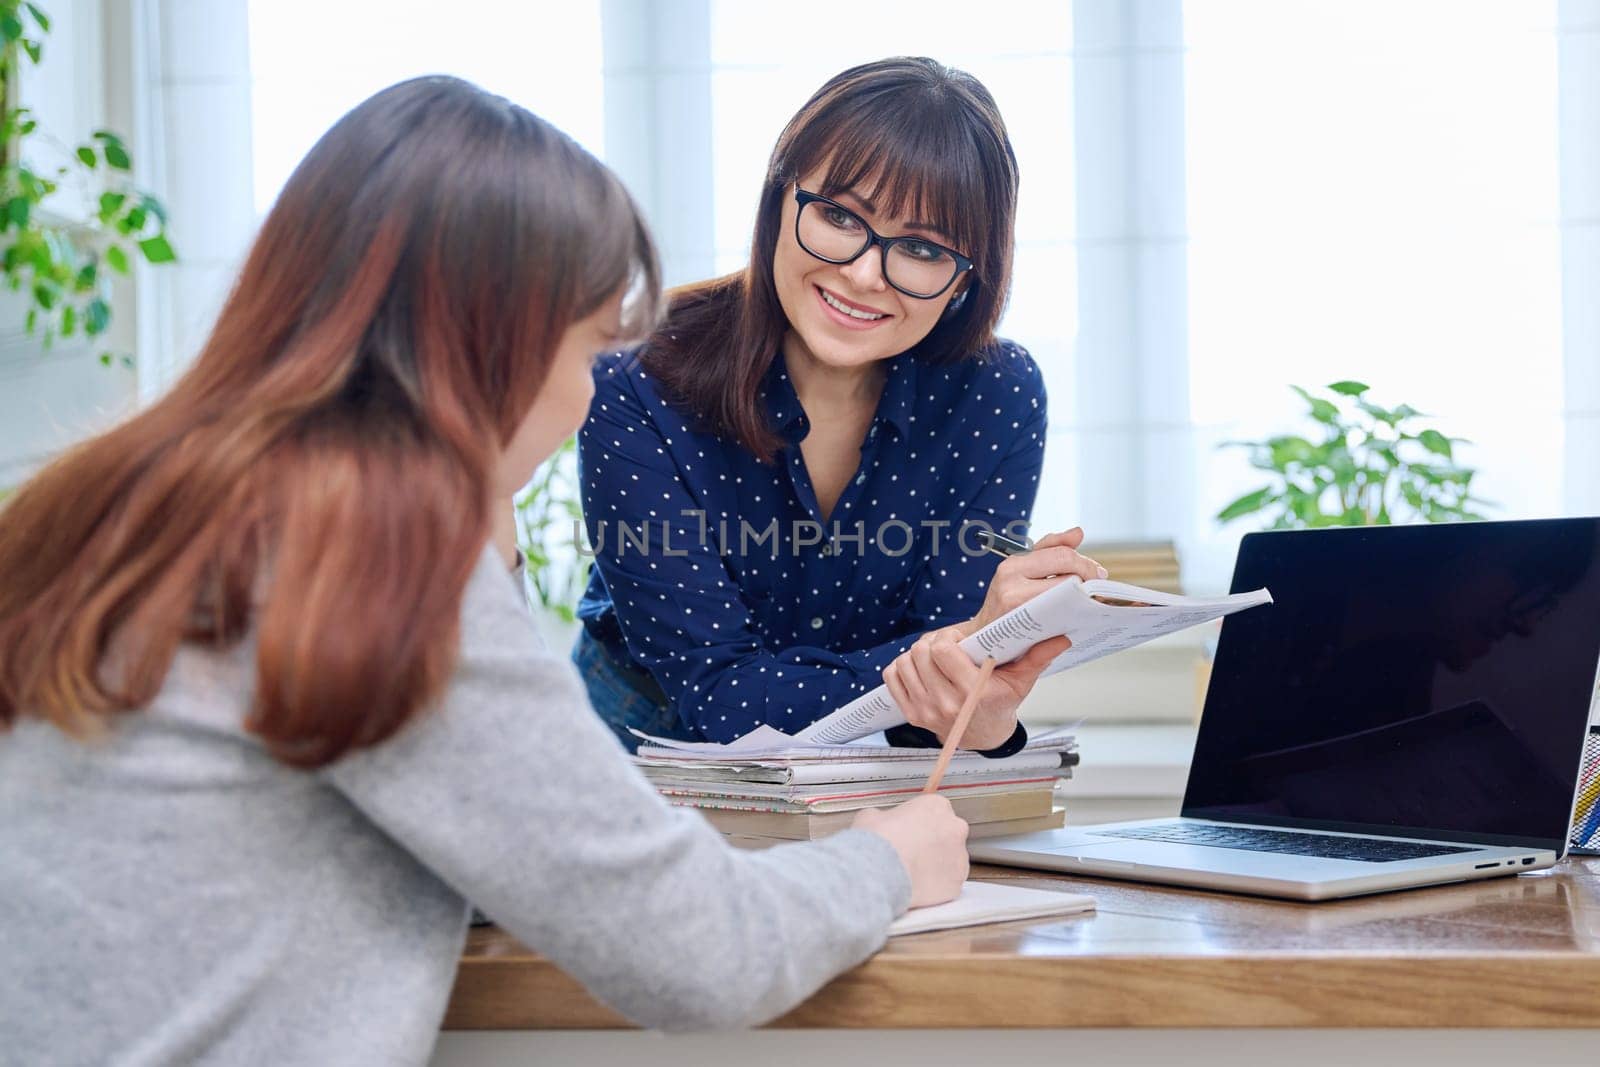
x=1360 y=465
x=62 y=267
x=549 y=515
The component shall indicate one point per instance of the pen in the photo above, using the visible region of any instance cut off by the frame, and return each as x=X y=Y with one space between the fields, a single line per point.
x=1002 y=545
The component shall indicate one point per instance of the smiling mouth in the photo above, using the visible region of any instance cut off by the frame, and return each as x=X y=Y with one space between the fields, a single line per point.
x=859 y=314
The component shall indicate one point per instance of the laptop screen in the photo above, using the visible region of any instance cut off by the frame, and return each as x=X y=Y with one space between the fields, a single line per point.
x=1411 y=680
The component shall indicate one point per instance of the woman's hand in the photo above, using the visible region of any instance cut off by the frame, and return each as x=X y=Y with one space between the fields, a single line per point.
x=932 y=842
x=1019 y=579
x=931 y=680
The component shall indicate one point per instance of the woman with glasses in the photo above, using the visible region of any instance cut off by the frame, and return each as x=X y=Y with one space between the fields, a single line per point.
x=787 y=486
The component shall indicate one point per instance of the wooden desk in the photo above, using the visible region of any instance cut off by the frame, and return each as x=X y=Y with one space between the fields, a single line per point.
x=1511 y=952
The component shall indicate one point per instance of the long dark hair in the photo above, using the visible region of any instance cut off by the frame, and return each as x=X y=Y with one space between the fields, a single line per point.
x=932 y=141
x=323 y=471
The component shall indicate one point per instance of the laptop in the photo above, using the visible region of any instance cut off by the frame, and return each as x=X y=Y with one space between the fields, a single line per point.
x=1411 y=710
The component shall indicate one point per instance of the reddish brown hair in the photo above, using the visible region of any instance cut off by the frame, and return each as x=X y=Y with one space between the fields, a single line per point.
x=321 y=474
x=926 y=141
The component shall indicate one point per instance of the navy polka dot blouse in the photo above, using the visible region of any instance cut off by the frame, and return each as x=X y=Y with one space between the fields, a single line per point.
x=717 y=574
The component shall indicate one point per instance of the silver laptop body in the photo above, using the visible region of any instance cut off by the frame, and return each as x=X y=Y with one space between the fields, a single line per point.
x=1410 y=711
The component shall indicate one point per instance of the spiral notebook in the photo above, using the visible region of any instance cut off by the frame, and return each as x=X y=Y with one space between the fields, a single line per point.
x=1585 y=838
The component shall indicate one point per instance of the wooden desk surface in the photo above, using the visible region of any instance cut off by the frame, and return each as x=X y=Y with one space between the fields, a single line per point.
x=1510 y=952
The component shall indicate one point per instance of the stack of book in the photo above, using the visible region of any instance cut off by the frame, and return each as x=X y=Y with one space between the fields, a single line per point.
x=807 y=792
x=1152 y=564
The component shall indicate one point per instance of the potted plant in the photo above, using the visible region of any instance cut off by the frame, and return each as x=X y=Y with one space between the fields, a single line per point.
x=59 y=260
x=1360 y=465
x=549 y=525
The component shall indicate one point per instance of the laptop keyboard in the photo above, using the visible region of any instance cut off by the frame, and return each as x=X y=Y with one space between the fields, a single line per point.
x=1251 y=839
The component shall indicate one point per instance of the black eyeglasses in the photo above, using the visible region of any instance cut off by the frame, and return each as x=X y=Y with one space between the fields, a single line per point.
x=834 y=234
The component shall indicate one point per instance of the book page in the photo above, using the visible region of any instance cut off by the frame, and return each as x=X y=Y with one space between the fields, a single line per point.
x=1095 y=628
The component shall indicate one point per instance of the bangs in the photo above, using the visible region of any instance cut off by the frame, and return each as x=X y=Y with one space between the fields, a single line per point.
x=916 y=163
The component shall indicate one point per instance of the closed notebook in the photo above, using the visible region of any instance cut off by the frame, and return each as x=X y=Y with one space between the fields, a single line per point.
x=990 y=902
x=751 y=829
x=732 y=815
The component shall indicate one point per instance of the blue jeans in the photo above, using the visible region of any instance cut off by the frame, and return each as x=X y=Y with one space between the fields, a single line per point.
x=617 y=700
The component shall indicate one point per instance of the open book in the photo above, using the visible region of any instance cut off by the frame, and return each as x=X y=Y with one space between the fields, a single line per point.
x=1099 y=616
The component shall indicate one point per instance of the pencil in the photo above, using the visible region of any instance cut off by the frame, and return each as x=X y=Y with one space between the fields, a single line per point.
x=962 y=719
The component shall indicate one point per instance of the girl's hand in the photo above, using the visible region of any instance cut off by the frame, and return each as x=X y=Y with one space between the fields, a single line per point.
x=931 y=680
x=931 y=840
x=1019 y=579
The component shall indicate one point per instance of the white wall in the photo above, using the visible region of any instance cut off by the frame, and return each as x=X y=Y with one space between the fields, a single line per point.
x=1578 y=44
x=190 y=69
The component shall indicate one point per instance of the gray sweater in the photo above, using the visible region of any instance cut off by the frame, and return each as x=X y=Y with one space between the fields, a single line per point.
x=171 y=894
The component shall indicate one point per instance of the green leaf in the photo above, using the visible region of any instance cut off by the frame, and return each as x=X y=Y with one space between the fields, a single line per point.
x=34 y=50
x=110 y=204
x=1428 y=474
x=154 y=207
x=17 y=210
x=1382 y=414
x=86 y=277
x=10 y=29
x=1246 y=504
x=1348 y=388
x=117 y=156
x=1290 y=450
x=1435 y=442
x=96 y=317
x=31 y=185
x=157 y=250
x=117 y=258
x=86 y=154
x=105 y=359
x=39 y=254
x=32 y=319
x=69 y=320
x=39 y=16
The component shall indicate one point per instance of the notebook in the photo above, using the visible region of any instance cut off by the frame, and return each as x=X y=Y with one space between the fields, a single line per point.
x=1585 y=839
x=990 y=902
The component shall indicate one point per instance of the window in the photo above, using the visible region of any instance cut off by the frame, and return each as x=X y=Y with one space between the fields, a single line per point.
x=1219 y=198
x=1373 y=193
x=312 y=61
